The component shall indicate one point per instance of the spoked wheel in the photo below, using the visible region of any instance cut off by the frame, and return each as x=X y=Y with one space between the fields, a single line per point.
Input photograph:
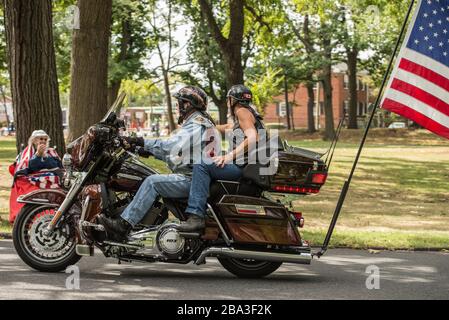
x=248 y=268
x=52 y=253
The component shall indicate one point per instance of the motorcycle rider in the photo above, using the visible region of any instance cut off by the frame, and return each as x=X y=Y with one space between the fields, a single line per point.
x=229 y=167
x=176 y=152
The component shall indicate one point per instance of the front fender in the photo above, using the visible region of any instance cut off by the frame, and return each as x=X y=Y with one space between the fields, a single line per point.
x=52 y=197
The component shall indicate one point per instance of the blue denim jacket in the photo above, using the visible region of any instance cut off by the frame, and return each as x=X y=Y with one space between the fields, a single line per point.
x=183 y=147
x=38 y=163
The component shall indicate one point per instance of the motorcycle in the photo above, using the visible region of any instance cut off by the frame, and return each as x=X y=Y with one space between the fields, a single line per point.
x=247 y=230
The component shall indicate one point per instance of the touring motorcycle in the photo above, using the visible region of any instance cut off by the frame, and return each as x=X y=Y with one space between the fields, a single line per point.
x=249 y=231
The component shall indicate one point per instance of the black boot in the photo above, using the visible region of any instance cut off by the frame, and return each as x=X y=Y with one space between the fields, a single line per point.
x=118 y=226
x=193 y=223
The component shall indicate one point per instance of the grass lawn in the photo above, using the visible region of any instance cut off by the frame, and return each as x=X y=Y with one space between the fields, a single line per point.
x=399 y=197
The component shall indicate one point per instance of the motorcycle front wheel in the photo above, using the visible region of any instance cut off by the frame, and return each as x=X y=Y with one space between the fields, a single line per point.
x=52 y=253
x=246 y=268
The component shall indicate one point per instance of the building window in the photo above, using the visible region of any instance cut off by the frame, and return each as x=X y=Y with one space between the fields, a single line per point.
x=346 y=82
x=321 y=108
x=346 y=106
x=361 y=110
x=282 y=110
x=361 y=86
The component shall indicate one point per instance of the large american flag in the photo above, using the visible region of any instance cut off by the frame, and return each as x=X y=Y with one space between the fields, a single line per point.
x=419 y=85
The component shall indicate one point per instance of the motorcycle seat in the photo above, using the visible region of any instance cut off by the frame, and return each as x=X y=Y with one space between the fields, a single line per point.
x=219 y=188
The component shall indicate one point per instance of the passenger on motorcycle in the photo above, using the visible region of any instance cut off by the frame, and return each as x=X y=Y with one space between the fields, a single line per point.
x=36 y=167
x=180 y=151
x=228 y=167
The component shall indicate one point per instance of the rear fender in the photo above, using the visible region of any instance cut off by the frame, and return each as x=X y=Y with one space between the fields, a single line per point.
x=53 y=197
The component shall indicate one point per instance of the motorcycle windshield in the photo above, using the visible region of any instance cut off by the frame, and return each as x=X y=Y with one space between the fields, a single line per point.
x=116 y=106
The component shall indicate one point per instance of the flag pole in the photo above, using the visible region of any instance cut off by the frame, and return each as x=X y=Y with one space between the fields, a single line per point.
x=345 y=188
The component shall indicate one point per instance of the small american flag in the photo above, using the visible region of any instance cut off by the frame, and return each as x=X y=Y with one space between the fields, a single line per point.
x=419 y=85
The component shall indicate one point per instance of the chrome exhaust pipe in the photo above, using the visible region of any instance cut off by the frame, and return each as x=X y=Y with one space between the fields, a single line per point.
x=298 y=258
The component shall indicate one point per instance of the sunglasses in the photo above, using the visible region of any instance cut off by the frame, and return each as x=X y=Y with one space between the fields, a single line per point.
x=43 y=139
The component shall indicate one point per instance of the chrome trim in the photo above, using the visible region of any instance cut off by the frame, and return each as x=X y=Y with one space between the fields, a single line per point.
x=97 y=227
x=228 y=181
x=38 y=199
x=83 y=217
x=298 y=258
x=36 y=202
x=225 y=236
x=232 y=204
x=124 y=245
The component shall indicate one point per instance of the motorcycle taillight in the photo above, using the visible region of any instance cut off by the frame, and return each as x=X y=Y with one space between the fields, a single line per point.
x=293 y=189
x=319 y=178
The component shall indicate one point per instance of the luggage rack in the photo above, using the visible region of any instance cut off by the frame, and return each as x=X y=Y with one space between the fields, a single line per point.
x=316 y=155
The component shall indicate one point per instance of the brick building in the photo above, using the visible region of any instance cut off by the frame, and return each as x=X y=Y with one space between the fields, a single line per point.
x=275 y=112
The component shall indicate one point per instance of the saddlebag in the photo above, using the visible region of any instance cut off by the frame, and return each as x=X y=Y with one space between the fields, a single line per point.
x=258 y=221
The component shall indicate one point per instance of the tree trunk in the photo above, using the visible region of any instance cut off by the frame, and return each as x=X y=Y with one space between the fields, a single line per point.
x=310 y=106
x=231 y=47
x=89 y=69
x=223 y=113
x=352 y=75
x=171 y=121
x=34 y=83
x=287 y=105
x=233 y=66
x=328 y=108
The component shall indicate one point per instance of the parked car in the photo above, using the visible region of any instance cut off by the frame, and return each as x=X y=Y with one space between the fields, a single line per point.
x=397 y=125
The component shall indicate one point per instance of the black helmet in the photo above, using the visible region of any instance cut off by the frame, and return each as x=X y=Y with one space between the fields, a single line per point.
x=241 y=93
x=196 y=96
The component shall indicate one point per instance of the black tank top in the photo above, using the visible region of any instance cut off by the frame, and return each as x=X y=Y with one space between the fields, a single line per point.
x=239 y=135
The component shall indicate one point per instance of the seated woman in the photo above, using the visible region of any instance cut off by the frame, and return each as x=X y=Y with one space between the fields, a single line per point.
x=247 y=122
x=36 y=167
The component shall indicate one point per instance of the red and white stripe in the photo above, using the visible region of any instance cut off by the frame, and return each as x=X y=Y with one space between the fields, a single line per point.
x=419 y=90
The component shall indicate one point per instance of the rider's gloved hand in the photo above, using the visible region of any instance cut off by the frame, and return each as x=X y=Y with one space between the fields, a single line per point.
x=130 y=143
x=143 y=153
x=137 y=141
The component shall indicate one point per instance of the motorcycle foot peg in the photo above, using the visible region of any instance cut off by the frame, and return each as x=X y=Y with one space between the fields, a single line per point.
x=84 y=250
x=190 y=235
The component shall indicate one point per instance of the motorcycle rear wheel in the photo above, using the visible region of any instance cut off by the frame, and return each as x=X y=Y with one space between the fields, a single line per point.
x=244 y=268
x=48 y=254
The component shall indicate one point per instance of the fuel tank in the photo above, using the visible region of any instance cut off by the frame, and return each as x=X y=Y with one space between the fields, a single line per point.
x=130 y=176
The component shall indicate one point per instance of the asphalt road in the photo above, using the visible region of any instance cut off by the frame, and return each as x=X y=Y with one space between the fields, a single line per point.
x=341 y=274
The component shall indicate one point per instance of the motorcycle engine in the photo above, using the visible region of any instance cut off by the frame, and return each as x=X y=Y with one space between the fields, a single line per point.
x=170 y=242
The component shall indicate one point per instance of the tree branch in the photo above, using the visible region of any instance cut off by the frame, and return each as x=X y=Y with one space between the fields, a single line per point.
x=237 y=18
x=258 y=17
x=207 y=10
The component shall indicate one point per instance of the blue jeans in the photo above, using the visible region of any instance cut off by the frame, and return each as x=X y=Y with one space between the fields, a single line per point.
x=164 y=185
x=202 y=176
